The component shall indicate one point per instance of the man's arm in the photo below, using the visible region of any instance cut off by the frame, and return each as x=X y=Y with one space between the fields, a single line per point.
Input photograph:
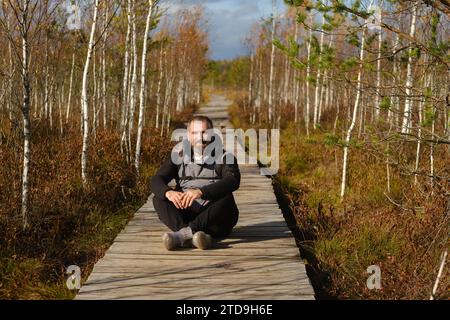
x=163 y=176
x=231 y=179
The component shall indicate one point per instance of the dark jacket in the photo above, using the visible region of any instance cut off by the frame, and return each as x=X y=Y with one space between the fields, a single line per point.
x=229 y=182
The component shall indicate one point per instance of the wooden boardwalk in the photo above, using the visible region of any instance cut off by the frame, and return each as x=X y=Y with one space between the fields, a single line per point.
x=260 y=259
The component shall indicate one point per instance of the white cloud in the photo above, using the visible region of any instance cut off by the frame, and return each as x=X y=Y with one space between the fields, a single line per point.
x=229 y=21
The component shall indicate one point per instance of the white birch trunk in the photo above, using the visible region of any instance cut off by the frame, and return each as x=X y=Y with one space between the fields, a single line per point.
x=406 y=123
x=388 y=171
x=322 y=93
x=180 y=105
x=60 y=100
x=250 y=83
x=272 y=69
x=124 y=110
x=395 y=101
x=133 y=76
x=50 y=107
x=433 y=129
x=94 y=95
x=296 y=82
x=355 y=113
x=11 y=75
x=69 y=98
x=85 y=99
x=419 y=134
x=166 y=109
x=162 y=53
x=46 y=94
x=26 y=114
x=308 y=74
x=317 y=91
x=378 y=89
x=259 y=96
x=168 y=90
x=181 y=89
x=142 y=93
x=328 y=80
x=35 y=98
x=286 y=81
x=104 y=85
x=338 y=103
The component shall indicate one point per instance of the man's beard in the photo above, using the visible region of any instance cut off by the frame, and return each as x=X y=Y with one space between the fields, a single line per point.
x=200 y=144
x=199 y=147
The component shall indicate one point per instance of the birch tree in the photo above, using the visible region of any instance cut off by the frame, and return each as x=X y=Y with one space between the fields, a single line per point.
x=133 y=85
x=69 y=99
x=354 y=115
x=379 y=58
x=125 y=100
x=151 y=7
x=85 y=98
x=308 y=75
x=272 y=69
x=104 y=83
x=29 y=18
x=406 y=123
x=318 y=78
x=24 y=29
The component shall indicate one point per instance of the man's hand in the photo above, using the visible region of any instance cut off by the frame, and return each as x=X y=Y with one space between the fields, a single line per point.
x=189 y=197
x=183 y=200
x=176 y=198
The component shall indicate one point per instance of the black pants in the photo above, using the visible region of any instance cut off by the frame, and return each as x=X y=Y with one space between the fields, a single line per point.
x=217 y=219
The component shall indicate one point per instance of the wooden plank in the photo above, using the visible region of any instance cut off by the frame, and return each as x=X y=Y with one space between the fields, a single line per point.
x=205 y=288
x=165 y=266
x=157 y=250
x=202 y=259
x=168 y=270
x=170 y=294
x=208 y=285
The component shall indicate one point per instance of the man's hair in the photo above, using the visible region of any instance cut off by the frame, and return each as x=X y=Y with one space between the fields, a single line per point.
x=205 y=119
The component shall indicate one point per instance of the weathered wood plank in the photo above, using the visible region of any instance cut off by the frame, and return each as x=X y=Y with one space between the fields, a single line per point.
x=233 y=270
x=131 y=248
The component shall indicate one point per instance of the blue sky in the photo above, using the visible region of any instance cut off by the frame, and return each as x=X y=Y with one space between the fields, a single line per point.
x=229 y=22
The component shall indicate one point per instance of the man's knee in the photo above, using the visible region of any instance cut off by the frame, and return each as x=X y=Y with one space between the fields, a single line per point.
x=157 y=203
x=156 y=200
x=160 y=207
x=160 y=204
x=168 y=214
x=227 y=202
x=227 y=219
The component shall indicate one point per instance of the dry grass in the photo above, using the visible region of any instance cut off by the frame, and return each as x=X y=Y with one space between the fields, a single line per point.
x=366 y=229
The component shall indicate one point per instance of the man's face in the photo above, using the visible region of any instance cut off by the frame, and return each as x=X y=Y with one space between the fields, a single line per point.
x=197 y=134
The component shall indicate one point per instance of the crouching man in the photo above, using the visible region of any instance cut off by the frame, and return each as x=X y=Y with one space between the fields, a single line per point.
x=202 y=206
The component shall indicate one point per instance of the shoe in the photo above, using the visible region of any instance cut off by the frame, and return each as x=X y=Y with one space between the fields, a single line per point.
x=202 y=240
x=170 y=241
x=180 y=239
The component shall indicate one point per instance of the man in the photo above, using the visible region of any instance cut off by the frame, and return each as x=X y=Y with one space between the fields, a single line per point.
x=202 y=206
